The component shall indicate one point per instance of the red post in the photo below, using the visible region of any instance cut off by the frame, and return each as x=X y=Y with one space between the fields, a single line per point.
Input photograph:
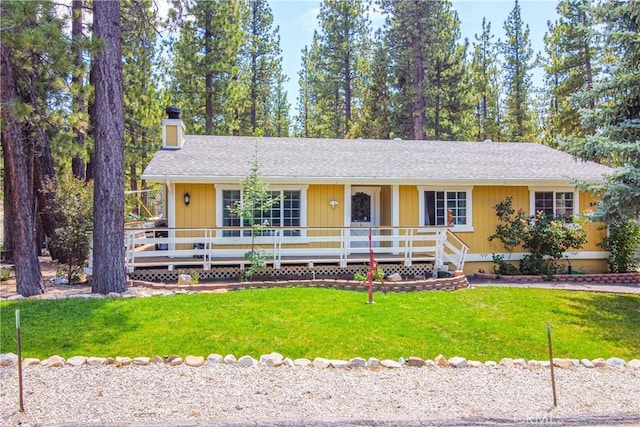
x=372 y=267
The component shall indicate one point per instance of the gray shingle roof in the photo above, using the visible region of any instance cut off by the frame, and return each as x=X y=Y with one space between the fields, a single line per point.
x=301 y=160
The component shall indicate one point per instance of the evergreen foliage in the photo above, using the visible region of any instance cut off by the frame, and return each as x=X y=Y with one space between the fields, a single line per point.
x=517 y=54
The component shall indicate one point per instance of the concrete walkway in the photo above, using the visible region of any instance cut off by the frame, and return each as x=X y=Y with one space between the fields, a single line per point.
x=627 y=288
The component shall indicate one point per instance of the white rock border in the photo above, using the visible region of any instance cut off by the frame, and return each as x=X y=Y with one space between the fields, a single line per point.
x=274 y=360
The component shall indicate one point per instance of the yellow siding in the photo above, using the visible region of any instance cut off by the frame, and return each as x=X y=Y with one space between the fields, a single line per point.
x=594 y=231
x=171 y=135
x=319 y=211
x=321 y=214
x=385 y=205
x=484 y=216
x=409 y=206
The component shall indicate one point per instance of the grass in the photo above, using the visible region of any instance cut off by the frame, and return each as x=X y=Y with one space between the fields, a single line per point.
x=481 y=324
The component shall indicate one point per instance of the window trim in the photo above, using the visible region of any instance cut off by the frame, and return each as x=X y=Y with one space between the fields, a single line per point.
x=554 y=190
x=243 y=240
x=468 y=227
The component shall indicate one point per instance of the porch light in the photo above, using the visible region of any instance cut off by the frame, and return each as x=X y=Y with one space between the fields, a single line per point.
x=187 y=199
x=333 y=203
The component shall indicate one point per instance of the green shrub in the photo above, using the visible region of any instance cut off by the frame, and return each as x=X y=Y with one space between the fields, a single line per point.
x=502 y=267
x=70 y=240
x=621 y=243
x=362 y=276
x=546 y=238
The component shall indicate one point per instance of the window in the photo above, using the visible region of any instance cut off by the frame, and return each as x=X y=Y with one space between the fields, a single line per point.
x=446 y=208
x=554 y=203
x=287 y=212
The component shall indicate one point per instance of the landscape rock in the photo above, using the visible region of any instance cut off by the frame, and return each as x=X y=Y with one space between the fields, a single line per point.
x=123 y=361
x=168 y=359
x=215 y=358
x=176 y=361
x=288 y=362
x=321 y=362
x=247 y=362
x=17 y=297
x=302 y=362
x=272 y=360
x=195 y=361
x=490 y=364
x=388 y=363
x=339 y=364
x=534 y=364
x=599 y=362
x=562 y=363
x=587 y=363
x=53 y=362
x=156 y=359
x=402 y=361
x=458 y=362
x=30 y=361
x=474 y=364
x=8 y=359
x=373 y=362
x=520 y=363
x=60 y=281
x=357 y=362
x=507 y=362
x=184 y=279
x=114 y=295
x=76 y=361
x=634 y=364
x=430 y=363
x=141 y=361
x=96 y=361
x=616 y=362
x=230 y=359
x=545 y=364
x=441 y=361
x=395 y=277
x=416 y=362
x=110 y=360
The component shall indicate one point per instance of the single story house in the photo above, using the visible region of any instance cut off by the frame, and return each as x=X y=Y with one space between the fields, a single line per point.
x=424 y=201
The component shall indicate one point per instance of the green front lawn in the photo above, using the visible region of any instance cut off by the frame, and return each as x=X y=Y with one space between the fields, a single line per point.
x=481 y=324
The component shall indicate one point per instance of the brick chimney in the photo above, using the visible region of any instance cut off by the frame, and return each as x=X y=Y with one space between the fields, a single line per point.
x=173 y=129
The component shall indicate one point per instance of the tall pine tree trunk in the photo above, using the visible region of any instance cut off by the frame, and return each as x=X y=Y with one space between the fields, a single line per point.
x=418 y=92
x=108 y=199
x=208 y=77
x=18 y=159
x=77 y=164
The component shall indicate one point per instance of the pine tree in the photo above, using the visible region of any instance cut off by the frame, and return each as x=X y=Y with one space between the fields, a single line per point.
x=517 y=54
x=340 y=49
x=108 y=199
x=206 y=80
x=614 y=119
x=486 y=87
x=310 y=102
x=572 y=50
x=431 y=77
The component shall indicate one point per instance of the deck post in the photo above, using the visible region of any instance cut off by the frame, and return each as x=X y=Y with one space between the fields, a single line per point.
x=395 y=217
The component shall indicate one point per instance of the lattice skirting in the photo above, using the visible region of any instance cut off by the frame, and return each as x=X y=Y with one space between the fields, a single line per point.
x=287 y=272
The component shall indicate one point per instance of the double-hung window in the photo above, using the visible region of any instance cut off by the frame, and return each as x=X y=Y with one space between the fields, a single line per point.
x=445 y=207
x=554 y=203
x=287 y=212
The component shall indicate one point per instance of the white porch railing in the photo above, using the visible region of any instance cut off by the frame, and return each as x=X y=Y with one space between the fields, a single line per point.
x=310 y=245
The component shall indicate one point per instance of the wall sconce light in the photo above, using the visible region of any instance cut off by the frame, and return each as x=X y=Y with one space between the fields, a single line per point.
x=333 y=203
x=187 y=199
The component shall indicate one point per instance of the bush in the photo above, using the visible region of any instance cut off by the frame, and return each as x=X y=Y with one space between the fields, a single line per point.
x=362 y=276
x=546 y=238
x=502 y=267
x=621 y=243
x=70 y=239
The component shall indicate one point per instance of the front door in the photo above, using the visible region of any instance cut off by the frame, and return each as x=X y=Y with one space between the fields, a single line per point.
x=365 y=213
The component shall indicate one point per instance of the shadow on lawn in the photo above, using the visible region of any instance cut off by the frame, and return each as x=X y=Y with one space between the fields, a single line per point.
x=94 y=323
x=613 y=318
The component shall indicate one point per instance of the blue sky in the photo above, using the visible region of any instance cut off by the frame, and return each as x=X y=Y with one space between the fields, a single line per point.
x=297 y=21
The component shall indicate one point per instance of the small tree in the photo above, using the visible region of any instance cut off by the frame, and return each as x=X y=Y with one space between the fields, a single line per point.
x=70 y=240
x=256 y=200
x=621 y=243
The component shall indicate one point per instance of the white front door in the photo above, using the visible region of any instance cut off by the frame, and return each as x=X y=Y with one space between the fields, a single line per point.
x=365 y=213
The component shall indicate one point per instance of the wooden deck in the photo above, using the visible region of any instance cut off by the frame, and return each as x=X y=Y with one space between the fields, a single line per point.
x=210 y=247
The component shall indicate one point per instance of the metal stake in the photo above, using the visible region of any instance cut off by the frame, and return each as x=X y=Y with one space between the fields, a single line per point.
x=553 y=377
x=19 y=342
